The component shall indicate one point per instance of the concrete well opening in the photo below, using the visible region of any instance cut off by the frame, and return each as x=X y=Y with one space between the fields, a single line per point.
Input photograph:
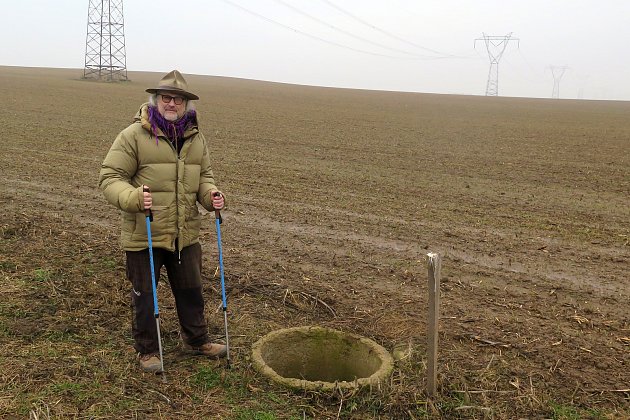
x=318 y=358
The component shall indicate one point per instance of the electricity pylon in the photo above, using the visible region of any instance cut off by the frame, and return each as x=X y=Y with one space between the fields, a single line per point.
x=496 y=47
x=105 y=42
x=582 y=80
x=557 y=72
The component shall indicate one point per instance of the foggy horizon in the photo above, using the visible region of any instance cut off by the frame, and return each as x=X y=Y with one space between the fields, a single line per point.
x=403 y=46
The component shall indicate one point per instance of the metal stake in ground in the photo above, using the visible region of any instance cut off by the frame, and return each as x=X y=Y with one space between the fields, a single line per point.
x=156 y=312
x=218 y=221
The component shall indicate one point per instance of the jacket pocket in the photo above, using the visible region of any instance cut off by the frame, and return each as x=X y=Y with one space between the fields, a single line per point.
x=128 y=225
x=159 y=225
x=192 y=212
x=190 y=230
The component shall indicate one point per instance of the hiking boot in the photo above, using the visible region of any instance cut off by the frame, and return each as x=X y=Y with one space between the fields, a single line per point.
x=150 y=362
x=211 y=350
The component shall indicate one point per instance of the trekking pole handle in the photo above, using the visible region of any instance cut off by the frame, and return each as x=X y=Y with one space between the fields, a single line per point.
x=147 y=212
x=217 y=213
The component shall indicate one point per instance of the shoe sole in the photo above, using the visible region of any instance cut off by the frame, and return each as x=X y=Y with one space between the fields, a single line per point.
x=157 y=369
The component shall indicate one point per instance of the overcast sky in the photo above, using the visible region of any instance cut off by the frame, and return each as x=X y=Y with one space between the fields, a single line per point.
x=405 y=45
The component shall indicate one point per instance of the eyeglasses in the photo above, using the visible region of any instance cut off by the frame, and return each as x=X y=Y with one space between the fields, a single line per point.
x=177 y=99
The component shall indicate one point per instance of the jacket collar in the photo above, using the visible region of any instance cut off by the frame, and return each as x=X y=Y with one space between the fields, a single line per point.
x=142 y=116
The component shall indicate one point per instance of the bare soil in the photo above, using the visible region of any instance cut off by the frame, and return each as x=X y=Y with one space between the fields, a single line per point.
x=334 y=199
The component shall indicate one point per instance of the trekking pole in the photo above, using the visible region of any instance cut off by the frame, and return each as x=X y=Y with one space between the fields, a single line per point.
x=218 y=221
x=156 y=312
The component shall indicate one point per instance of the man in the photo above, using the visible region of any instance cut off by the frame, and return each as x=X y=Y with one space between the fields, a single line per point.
x=161 y=162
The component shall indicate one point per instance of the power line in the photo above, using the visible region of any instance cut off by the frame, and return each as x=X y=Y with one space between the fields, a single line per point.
x=238 y=6
x=343 y=31
x=523 y=75
x=358 y=19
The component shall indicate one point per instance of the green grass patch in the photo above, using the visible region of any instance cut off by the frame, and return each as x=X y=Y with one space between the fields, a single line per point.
x=25 y=403
x=78 y=393
x=207 y=378
x=568 y=412
x=11 y=311
x=41 y=275
x=239 y=397
x=8 y=266
x=110 y=263
x=248 y=414
x=120 y=405
x=6 y=309
x=66 y=388
x=60 y=336
x=4 y=329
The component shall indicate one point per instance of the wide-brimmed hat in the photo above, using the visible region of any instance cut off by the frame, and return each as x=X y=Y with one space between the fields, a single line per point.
x=174 y=82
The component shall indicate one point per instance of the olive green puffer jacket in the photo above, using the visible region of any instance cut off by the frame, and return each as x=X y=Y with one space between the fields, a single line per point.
x=176 y=184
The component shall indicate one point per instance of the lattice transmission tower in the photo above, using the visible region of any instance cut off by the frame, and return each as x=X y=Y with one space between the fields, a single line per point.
x=496 y=47
x=105 y=42
x=557 y=72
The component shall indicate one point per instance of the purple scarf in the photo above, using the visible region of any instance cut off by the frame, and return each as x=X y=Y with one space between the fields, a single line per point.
x=174 y=131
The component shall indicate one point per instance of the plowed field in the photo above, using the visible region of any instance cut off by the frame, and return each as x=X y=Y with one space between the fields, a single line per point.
x=334 y=199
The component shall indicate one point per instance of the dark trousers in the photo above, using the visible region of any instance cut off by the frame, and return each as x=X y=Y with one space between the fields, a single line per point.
x=185 y=281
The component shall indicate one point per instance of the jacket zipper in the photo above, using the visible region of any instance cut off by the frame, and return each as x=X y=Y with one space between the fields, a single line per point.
x=176 y=243
x=179 y=249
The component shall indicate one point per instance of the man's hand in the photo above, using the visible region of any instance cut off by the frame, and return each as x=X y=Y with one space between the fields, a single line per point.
x=217 y=200
x=147 y=200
